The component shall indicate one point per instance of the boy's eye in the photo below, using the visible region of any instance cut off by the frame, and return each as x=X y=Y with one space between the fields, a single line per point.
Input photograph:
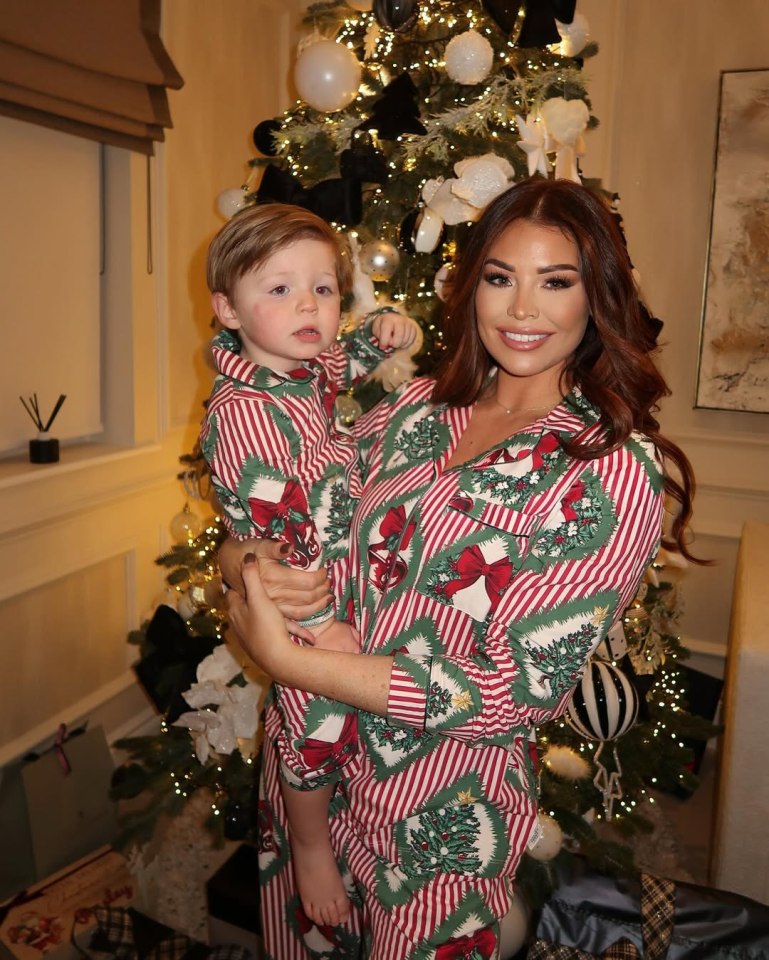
x=325 y=289
x=280 y=289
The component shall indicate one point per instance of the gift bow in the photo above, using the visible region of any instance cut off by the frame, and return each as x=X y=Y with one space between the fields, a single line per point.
x=337 y=200
x=471 y=565
x=318 y=753
x=480 y=945
x=287 y=518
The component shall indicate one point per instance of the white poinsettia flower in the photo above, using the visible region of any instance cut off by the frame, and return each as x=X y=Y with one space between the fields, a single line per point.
x=481 y=179
x=205 y=694
x=199 y=723
x=218 y=667
x=241 y=708
x=221 y=735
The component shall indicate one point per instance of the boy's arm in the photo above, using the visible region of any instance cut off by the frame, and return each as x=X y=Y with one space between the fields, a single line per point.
x=358 y=352
x=251 y=449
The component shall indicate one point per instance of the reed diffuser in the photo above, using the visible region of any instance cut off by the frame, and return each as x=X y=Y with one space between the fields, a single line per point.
x=44 y=449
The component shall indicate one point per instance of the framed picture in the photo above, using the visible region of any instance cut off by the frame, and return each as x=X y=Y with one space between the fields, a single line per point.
x=733 y=371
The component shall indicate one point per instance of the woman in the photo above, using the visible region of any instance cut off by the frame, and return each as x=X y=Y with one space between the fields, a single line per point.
x=509 y=510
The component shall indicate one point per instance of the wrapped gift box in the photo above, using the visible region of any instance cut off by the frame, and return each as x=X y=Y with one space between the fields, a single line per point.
x=42 y=920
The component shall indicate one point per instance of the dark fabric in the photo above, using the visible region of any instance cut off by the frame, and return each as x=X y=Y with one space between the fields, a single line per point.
x=589 y=914
x=126 y=934
x=233 y=891
x=93 y=68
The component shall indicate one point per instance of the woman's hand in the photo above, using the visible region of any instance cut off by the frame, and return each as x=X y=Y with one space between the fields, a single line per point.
x=259 y=627
x=298 y=594
x=258 y=624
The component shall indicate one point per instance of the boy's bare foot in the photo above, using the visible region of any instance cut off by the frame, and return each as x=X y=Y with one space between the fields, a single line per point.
x=324 y=898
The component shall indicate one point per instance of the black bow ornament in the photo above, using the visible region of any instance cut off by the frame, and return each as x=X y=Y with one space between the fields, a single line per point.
x=362 y=161
x=170 y=668
x=396 y=112
x=336 y=200
x=538 y=28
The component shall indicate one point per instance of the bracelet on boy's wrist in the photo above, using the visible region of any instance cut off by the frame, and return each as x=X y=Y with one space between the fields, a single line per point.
x=327 y=613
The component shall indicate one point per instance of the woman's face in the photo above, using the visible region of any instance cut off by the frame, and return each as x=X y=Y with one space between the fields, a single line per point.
x=531 y=307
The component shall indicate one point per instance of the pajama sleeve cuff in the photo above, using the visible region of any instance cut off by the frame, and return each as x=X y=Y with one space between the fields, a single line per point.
x=409 y=683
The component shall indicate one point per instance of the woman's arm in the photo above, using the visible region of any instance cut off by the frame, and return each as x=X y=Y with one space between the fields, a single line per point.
x=360 y=681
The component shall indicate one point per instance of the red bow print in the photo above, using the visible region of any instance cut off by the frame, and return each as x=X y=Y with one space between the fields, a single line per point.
x=479 y=946
x=548 y=444
x=573 y=495
x=288 y=519
x=471 y=565
x=318 y=753
x=396 y=533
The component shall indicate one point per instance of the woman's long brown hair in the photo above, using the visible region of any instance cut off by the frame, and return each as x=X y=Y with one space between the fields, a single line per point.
x=613 y=365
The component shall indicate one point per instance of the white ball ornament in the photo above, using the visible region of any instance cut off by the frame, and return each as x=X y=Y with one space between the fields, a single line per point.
x=514 y=928
x=230 y=201
x=379 y=259
x=469 y=57
x=327 y=75
x=550 y=839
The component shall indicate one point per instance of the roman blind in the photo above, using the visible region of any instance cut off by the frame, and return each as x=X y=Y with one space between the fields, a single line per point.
x=93 y=68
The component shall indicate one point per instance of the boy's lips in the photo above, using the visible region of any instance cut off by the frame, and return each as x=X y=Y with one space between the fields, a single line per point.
x=307 y=333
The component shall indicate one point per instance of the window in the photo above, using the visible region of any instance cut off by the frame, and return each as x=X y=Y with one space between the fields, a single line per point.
x=50 y=252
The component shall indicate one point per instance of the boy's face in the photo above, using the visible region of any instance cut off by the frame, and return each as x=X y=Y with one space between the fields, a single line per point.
x=288 y=309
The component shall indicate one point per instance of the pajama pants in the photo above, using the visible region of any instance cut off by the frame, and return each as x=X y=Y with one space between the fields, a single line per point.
x=370 y=934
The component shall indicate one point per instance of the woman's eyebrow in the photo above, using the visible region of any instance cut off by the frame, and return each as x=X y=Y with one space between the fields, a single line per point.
x=550 y=268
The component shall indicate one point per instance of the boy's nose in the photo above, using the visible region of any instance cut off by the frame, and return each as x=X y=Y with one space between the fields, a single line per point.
x=308 y=301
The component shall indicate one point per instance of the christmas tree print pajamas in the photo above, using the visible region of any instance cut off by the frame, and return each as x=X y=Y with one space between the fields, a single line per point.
x=489 y=584
x=283 y=470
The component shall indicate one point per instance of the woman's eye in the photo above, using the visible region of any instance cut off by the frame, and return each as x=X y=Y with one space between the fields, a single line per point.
x=559 y=283
x=497 y=279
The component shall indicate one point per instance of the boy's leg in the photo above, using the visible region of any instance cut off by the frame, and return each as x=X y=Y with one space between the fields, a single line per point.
x=321 y=890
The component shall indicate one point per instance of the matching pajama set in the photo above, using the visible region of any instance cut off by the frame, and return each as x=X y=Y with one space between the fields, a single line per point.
x=489 y=584
x=283 y=470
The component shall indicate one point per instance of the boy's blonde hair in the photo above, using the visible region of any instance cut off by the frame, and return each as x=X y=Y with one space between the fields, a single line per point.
x=255 y=233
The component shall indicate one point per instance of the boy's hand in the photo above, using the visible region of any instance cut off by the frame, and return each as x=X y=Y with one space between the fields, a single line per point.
x=336 y=635
x=394 y=331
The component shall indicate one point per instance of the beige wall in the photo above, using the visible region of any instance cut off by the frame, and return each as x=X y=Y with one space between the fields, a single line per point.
x=78 y=539
x=655 y=88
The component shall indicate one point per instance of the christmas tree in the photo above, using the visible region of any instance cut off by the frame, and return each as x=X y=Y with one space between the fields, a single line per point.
x=413 y=117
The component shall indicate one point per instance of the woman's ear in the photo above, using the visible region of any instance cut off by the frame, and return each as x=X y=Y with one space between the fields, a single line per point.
x=225 y=312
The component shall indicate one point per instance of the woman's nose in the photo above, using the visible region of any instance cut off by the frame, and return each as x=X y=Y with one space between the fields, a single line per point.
x=522 y=306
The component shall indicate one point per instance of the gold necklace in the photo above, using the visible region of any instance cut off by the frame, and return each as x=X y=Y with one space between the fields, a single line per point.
x=543 y=409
